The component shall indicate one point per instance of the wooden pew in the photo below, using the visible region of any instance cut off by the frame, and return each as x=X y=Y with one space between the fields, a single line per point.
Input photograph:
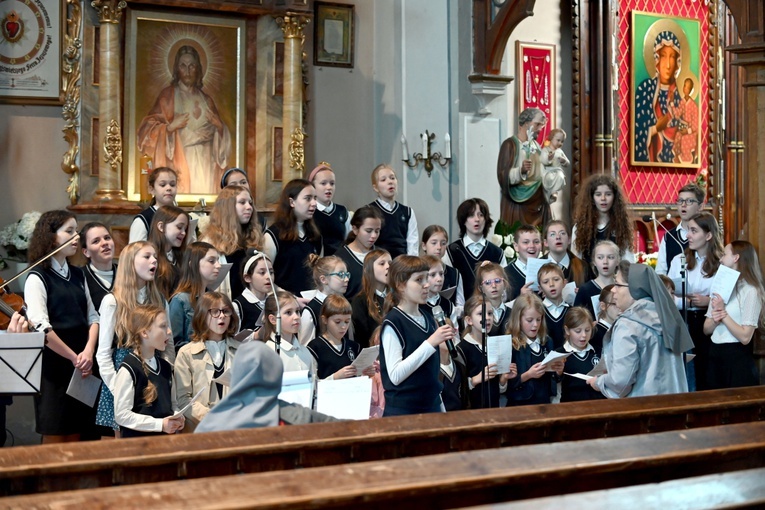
x=447 y=480
x=739 y=489
x=26 y=470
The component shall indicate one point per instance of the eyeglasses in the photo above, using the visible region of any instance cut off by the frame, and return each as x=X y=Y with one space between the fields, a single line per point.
x=495 y=281
x=621 y=285
x=343 y=275
x=215 y=312
x=612 y=303
x=687 y=201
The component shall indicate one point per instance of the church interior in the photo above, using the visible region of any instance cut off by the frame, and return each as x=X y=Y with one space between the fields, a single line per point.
x=358 y=83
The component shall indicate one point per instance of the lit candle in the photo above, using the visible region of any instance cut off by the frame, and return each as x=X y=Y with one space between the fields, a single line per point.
x=404 y=148
x=424 y=145
x=447 y=146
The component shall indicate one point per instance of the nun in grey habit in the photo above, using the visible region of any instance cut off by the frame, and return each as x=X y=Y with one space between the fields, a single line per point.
x=256 y=381
x=644 y=348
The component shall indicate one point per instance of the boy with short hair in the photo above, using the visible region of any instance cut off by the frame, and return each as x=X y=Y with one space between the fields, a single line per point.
x=528 y=245
x=551 y=283
x=472 y=248
x=690 y=201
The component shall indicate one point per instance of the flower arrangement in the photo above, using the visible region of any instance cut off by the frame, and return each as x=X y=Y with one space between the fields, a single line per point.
x=649 y=259
x=504 y=237
x=15 y=237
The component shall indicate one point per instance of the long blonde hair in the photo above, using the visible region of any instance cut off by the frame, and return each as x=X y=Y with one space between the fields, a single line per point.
x=513 y=326
x=224 y=231
x=142 y=318
x=126 y=289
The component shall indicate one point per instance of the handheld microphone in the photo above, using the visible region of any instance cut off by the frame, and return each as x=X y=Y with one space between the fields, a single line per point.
x=440 y=317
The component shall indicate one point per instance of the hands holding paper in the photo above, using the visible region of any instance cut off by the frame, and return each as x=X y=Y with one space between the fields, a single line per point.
x=172 y=424
x=718 y=308
x=84 y=362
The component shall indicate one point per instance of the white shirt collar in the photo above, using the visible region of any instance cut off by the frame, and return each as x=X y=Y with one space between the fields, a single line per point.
x=564 y=262
x=570 y=348
x=534 y=344
x=382 y=293
x=520 y=265
x=433 y=300
x=143 y=294
x=557 y=309
x=216 y=349
x=329 y=208
x=388 y=207
x=469 y=339
x=252 y=298
x=467 y=241
x=62 y=269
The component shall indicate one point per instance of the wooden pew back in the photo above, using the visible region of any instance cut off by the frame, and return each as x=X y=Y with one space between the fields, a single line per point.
x=26 y=470
x=447 y=480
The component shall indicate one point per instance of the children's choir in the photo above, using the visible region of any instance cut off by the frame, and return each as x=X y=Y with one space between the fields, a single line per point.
x=322 y=283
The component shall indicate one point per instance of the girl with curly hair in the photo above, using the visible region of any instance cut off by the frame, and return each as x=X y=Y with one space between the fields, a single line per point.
x=59 y=303
x=601 y=213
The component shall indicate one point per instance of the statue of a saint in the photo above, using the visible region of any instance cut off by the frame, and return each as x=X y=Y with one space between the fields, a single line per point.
x=520 y=172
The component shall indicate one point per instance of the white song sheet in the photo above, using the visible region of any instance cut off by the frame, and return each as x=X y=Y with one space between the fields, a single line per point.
x=347 y=399
x=499 y=350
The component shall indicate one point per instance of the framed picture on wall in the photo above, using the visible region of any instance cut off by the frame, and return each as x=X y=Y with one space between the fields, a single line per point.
x=333 y=35
x=666 y=91
x=31 y=51
x=185 y=58
x=537 y=76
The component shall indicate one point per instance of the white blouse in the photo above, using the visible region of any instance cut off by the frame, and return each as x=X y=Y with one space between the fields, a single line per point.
x=743 y=307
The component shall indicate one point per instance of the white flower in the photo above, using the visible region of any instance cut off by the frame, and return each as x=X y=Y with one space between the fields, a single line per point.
x=509 y=252
x=204 y=221
x=6 y=235
x=496 y=239
x=509 y=239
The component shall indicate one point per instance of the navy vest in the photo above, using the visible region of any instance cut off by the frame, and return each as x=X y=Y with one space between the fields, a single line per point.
x=673 y=245
x=248 y=312
x=394 y=229
x=96 y=286
x=328 y=359
x=332 y=227
x=290 y=270
x=466 y=263
x=146 y=216
x=162 y=407
x=421 y=391
x=355 y=267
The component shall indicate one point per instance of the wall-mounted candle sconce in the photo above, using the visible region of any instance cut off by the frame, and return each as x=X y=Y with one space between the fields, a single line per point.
x=426 y=157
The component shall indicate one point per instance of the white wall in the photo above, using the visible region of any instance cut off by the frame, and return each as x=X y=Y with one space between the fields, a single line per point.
x=31 y=147
x=400 y=85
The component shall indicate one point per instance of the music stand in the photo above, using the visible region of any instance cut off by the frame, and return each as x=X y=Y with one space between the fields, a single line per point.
x=21 y=363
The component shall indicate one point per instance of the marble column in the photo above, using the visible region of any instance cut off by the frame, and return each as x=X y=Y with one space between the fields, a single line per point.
x=293 y=148
x=110 y=103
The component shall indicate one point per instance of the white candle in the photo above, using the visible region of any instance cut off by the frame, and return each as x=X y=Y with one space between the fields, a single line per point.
x=448 y=146
x=404 y=148
x=424 y=145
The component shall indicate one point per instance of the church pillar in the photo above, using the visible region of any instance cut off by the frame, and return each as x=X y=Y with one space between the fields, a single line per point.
x=110 y=103
x=293 y=147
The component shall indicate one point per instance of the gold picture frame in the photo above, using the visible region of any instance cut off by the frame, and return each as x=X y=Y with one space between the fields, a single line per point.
x=169 y=49
x=676 y=141
x=32 y=51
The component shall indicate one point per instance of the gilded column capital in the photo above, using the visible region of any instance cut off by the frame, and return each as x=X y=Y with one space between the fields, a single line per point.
x=109 y=11
x=292 y=25
x=113 y=145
